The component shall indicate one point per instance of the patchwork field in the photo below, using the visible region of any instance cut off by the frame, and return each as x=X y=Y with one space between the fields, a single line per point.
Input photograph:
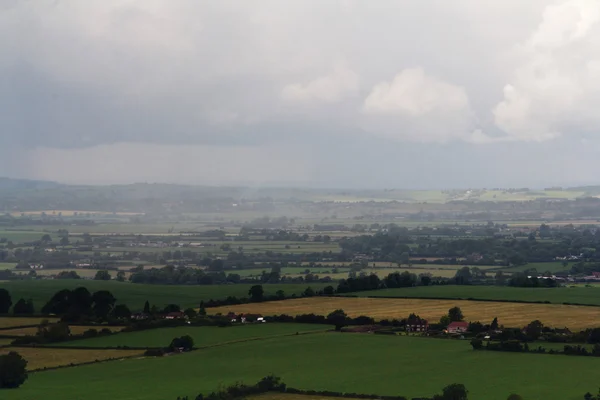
x=40 y=358
x=387 y=365
x=75 y=330
x=203 y=336
x=8 y=322
x=508 y=314
x=580 y=295
x=134 y=295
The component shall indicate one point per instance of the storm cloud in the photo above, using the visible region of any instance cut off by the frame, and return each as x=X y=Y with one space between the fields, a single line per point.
x=426 y=93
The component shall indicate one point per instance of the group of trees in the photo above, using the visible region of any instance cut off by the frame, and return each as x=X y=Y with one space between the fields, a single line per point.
x=79 y=303
x=21 y=307
x=13 y=370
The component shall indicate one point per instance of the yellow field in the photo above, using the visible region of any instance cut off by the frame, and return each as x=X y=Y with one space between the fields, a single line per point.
x=8 y=322
x=75 y=330
x=508 y=314
x=39 y=358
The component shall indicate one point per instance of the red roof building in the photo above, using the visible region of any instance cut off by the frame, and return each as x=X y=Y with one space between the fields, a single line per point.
x=458 y=327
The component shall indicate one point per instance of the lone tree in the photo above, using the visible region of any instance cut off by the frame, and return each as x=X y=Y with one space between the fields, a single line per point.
x=455 y=391
x=455 y=314
x=121 y=311
x=102 y=276
x=494 y=324
x=202 y=310
x=256 y=293
x=5 y=301
x=338 y=318
x=13 y=370
x=146 y=307
x=184 y=342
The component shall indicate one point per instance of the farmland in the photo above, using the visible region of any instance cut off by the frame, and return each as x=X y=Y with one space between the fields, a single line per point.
x=409 y=366
x=75 y=330
x=134 y=295
x=40 y=358
x=508 y=314
x=203 y=336
x=9 y=322
x=579 y=295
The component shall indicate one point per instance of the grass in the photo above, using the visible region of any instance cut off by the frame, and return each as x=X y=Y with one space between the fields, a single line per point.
x=508 y=314
x=40 y=358
x=580 y=295
x=203 y=336
x=7 y=265
x=134 y=295
x=75 y=330
x=5 y=342
x=9 y=322
x=386 y=365
x=541 y=267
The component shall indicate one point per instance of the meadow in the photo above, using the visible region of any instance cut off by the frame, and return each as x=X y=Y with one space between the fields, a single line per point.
x=579 y=295
x=386 y=365
x=135 y=295
x=203 y=336
x=40 y=358
x=508 y=314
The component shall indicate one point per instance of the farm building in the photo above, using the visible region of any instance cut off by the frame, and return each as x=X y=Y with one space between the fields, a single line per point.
x=417 y=325
x=458 y=327
x=175 y=315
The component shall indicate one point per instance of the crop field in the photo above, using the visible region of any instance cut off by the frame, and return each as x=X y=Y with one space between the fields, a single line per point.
x=541 y=267
x=134 y=295
x=40 y=358
x=75 y=330
x=7 y=265
x=386 y=365
x=508 y=314
x=22 y=236
x=579 y=295
x=9 y=322
x=5 y=342
x=203 y=336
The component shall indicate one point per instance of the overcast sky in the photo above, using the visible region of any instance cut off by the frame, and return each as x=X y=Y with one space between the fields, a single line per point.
x=404 y=93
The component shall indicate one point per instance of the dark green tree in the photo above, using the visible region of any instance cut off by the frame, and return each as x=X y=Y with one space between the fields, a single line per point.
x=202 y=310
x=13 y=370
x=103 y=303
x=256 y=293
x=102 y=276
x=146 y=307
x=514 y=396
x=121 y=311
x=455 y=391
x=328 y=290
x=494 y=324
x=169 y=308
x=190 y=313
x=186 y=342
x=5 y=301
x=338 y=318
x=23 y=307
x=120 y=276
x=534 y=329
x=455 y=314
x=280 y=294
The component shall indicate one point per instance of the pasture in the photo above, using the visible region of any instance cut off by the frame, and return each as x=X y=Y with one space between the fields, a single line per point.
x=203 y=336
x=508 y=314
x=386 y=365
x=40 y=358
x=579 y=295
x=134 y=295
x=9 y=322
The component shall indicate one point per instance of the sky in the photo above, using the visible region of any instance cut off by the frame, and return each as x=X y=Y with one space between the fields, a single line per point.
x=313 y=93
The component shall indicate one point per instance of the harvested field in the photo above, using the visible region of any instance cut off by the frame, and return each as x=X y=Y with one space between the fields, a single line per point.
x=8 y=322
x=75 y=330
x=508 y=314
x=40 y=358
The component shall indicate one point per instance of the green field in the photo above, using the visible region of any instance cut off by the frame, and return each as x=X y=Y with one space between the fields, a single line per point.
x=203 y=336
x=579 y=295
x=386 y=365
x=541 y=267
x=7 y=265
x=134 y=295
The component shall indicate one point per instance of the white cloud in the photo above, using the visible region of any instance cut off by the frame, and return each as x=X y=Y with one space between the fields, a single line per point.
x=419 y=107
x=554 y=89
x=329 y=89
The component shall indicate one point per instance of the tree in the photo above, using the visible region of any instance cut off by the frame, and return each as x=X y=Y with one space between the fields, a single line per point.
x=54 y=332
x=280 y=294
x=328 y=290
x=13 y=370
x=494 y=325
x=185 y=342
x=23 y=307
x=256 y=293
x=146 y=307
x=190 y=313
x=46 y=238
x=102 y=276
x=337 y=318
x=64 y=241
x=104 y=302
x=455 y=391
x=5 y=301
x=463 y=276
x=120 y=276
x=445 y=320
x=121 y=311
x=534 y=329
x=308 y=292
x=202 y=310
x=455 y=314
x=514 y=396
x=170 y=308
